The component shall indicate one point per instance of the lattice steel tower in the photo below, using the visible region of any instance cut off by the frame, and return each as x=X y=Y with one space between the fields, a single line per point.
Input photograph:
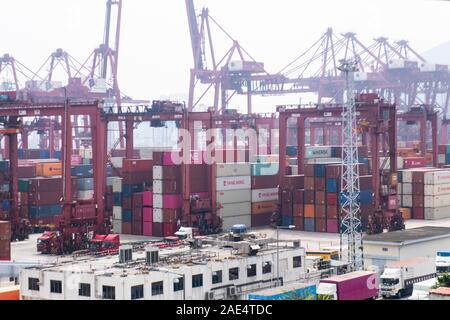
x=350 y=229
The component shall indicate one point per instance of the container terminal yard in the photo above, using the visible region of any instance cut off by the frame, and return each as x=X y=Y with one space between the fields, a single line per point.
x=346 y=197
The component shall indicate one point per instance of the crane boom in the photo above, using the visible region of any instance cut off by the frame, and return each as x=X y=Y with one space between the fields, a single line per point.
x=195 y=34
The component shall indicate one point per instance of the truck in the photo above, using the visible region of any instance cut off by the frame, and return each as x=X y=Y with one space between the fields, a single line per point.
x=399 y=277
x=442 y=262
x=357 y=285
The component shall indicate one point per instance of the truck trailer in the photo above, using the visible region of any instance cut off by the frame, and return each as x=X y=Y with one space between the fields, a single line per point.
x=358 y=285
x=399 y=277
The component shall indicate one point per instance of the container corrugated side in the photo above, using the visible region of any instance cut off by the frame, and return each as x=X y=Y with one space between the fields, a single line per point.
x=234 y=196
x=235 y=209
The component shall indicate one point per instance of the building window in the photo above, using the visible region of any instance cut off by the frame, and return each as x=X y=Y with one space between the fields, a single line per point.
x=297 y=262
x=137 y=292
x=109 y=293
x=33 y=284
x=251 y=270
x=233 y=274
x=217 y=277
x=55 y=286
x=267 y=267
x=157 y=288
x=197 y=281
x=178 y=284
x=84 y=290
x=385 y=249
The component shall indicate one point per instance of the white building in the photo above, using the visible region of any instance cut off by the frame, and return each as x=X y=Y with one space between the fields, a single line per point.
x=399 y=245
x=211 y=272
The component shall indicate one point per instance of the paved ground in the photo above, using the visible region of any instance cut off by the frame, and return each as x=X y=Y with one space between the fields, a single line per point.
x=26 y=251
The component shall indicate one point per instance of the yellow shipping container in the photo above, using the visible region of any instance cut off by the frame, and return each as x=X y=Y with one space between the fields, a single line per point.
x=49 y=169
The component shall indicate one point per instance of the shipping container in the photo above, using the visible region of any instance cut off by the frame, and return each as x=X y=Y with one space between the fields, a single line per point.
x=261 y=195
x=167 y=173
x=167 y=201
x=229 y=222
x=259 y=208
x=309 y=224
x=234 y=196
x=147 y=214
x=265 y=169
x=233 y=183
x=235 y=209
x=264 y=182
x=261 y=220
x=233 y=169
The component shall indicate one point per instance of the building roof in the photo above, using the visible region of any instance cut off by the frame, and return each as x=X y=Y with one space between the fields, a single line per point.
x=409 y=236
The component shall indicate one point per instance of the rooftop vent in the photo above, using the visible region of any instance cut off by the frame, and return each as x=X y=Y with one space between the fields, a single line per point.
x=151 y=255
x=125 y=254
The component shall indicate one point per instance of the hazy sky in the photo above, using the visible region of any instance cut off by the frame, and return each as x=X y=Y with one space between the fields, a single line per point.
x=156 y=56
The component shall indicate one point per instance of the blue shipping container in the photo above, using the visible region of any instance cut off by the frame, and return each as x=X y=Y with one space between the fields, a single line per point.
x=45 y=211
x=305 y=293
x=85 y=184
x=319 y=170
x=366 y=196
x=82 y=171
x=332 y=186
x=291 y=151
x=127 y=215
x=5 y=205
x=310 y=225
x=44 y=154
x=117 y=199
x=58 y=155
x=4 y=166
x=286 y=221
x=363 y=160
x=129 y=189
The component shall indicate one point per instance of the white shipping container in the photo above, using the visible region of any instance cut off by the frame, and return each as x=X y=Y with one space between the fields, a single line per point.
x=407 y=201
x=146 y=153
x=441 y=158
x=233 y=169
x=437 y=201
x=117 y=184
x=157 y=215
x=117 y=162
x=229 y=222
x=262 y=195
x=399 y=188
x=233 y=183
x=117 y=226
x=293 y=161
x=235 y=209
x=158 y=186
x=85 y=195
x=407 y=188
x=109 y=181
x=437 y=177
x=294 y=170
x=324 y=160
x=117 y=213
x=437 y=213
x=157 y=172
x=234 y=196
x=407 y=176
x=400 y=163
x=318 y=152
x=436 y=190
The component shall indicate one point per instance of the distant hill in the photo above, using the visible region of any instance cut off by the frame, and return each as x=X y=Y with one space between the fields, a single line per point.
x=439 y=54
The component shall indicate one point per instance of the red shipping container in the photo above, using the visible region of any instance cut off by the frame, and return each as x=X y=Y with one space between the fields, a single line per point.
x=169 y=229
x=137 y=228
x=293 y=182
x=127 y=203
x=261 y=220
x=166 y=187
x=418 y=201
x=321 y=225
x=158 y=230
x=147 y=199
x=137 y=214
x=264 y=182
x=28 y=171
x=44 y=198
x=137 y=177
x=147 y=214
x=309 y=183
x=365 y=182
x=127 y=228
x=137 y=165
x=332 y=212
x=333 y=171
x=85 y=211
x=199 y=184
x=320 y=184
x=121 y=153
x=309 y=170
x=366 y=210
x=167 y=158
x=5 y=250
x=138 y=200
x=298 y=223
x=418 y=213
x=309 y=197
x=147 y=229
x=418 y=189
x=392 y=203
x=299 y=196
x=298 y=210
x=332 y=199
x=333 y=226
x=416 y=162
x=168 y=173
x=320 y=197
x=321 y=211
x=5 y=230
x=171 y=215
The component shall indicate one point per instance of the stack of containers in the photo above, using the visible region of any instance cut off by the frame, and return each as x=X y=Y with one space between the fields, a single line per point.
x=265 y=192
x=147 y=213
x=167 y=197
x=233 y=193
x=137 y=176
x=4 y=188
x=117 y=202
x=5 y=241
x=426 y=193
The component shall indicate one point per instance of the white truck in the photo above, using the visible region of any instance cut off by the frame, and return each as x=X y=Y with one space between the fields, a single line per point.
x=399 y=277
x=443 y=262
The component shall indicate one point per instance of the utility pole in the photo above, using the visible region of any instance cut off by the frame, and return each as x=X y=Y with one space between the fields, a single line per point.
x=350 y=229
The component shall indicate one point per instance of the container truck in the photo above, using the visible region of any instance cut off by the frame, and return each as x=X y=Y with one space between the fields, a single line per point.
x=443 y=262
x=399 y=277
x=357 y=285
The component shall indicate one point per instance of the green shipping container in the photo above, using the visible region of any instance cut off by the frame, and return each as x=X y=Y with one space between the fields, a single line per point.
x=265 y=169
x=24 y=185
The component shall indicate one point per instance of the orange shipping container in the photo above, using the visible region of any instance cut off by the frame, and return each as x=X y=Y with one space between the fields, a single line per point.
x=309 y=211
x=10 y=293
x=406 y=213
x=48 y=169
x=264 y=207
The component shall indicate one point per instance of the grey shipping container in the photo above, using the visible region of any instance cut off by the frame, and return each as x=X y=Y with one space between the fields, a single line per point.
x=234 y=196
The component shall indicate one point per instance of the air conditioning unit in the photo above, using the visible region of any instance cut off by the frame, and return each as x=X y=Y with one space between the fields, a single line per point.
x=209 y=295
x=125 y=254
x=231 y=291
x=151 y=255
